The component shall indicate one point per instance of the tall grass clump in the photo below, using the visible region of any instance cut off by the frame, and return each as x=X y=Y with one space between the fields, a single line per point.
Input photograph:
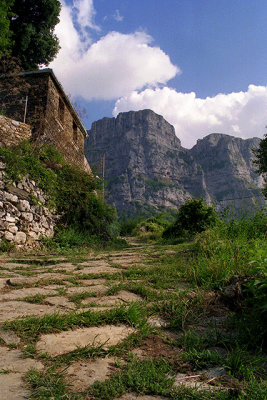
x=229 y=248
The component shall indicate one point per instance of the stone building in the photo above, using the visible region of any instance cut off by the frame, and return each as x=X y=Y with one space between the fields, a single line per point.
x=38 y=99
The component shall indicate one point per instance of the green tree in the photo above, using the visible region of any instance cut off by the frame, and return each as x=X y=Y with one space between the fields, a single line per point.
x=5 y=33
x=31 y=27
x=261 y=161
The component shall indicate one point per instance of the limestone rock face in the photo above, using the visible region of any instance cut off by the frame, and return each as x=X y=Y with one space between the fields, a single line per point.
x=147 y=168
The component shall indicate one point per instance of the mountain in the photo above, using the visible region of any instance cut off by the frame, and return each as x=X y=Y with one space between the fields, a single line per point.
x=147 y=169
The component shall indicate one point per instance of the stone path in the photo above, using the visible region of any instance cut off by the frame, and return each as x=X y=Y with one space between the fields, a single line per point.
x=42 y=286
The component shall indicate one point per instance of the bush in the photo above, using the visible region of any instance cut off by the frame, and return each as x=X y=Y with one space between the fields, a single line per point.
x=72 y=191
x=193 y=217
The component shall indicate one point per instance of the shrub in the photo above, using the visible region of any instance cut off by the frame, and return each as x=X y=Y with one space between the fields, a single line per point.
x=193 y=217
x=72 y=191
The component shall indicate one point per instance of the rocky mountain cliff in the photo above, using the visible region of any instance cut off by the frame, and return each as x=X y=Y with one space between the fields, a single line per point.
x=146 y=168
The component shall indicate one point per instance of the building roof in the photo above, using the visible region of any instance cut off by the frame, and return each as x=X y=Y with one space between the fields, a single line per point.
x=49 y=71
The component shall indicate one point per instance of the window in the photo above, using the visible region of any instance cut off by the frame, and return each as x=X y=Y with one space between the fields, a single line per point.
x=60 y=110
x=75 y=131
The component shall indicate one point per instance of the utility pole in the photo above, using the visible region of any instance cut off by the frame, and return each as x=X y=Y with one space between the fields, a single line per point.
x=103 y=176
x=25 y=109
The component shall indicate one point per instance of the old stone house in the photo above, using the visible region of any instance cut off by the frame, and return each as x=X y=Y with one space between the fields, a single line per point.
x=38 y=99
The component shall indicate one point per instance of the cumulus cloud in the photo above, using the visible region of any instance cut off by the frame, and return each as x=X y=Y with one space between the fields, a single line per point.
x=111 y=67
x=242 y=114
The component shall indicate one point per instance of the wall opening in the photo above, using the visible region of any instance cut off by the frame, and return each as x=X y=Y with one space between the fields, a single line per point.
x=61 y=110
x=75 y=131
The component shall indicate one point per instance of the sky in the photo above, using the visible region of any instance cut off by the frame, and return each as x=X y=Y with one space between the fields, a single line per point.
x=201 y=64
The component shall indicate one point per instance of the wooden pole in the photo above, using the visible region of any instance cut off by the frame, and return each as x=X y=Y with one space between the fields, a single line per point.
x=25 y=109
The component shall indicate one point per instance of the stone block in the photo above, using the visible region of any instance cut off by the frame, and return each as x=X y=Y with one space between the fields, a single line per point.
x=9 y=236
x=10 y=197
x=28 y=216
x=23 y=205
x=10 y=219
x=13 y=229
x=20 y=237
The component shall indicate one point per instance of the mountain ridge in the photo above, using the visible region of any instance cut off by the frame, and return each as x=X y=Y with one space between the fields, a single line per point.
x=148 y=169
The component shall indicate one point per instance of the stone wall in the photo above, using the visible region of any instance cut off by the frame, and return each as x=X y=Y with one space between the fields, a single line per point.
x=24 y=215
x=49 y=112
x=13 y=132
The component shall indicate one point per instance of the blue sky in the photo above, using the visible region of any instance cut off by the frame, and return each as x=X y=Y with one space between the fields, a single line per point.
x=199 y=63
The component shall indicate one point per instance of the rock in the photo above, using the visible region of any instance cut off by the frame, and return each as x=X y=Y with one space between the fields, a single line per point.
x=147 y=167
x=10 y=219
x=10 y=197
x=13 y=229
x=20 y=237
x=23 y=205
x=64 y=342
x=27 y=216
x=9 y=236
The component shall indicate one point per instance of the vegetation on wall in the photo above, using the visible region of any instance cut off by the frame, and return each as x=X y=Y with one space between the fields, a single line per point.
x=72 y=192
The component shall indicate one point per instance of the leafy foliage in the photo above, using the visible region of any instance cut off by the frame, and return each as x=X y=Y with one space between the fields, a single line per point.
x=193 y=217
x=261 y=160
x=72 y=191
x=5 y=34
x=30 y=25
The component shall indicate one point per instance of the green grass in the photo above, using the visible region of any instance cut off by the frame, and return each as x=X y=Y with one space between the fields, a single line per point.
x=142 y=377
x=30 y=328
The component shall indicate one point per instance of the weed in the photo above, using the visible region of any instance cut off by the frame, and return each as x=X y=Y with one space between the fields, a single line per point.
x=202 y=359
x=36 y=299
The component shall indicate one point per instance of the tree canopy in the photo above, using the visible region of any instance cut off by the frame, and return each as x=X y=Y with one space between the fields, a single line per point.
x=5 y=33
x=261 y=161
x=28 y=33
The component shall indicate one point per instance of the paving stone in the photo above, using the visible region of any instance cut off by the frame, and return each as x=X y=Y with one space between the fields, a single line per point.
x=13 y=360
x=64 y=342
x=9 y=337
x=17 y=309
x=25 y=292
x=123 y=297
x=98 y=270
x=157 y=322
x=132 y=396
x=92 y=282
x=12 y=387
x=82 y=374
x=99 y=289
x=60 y=301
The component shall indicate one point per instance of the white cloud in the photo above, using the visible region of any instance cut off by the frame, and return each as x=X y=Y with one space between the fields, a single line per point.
x=117 y=16
x=85 y=14
x=113 y=66
x=242 y=114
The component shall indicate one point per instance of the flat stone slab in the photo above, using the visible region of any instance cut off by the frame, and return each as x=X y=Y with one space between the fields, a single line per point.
x=12 y=387
x=132 y=396
x=157 y=322
x=123 y=297
x=193 y=381
x=64 y=342
x=9 y=337
x=17 y=309
x=82 y=374
x=92 y=282
x=21 y=293
x=60 y=301
x=13 y=361
x=102 y=269
x=99 y=289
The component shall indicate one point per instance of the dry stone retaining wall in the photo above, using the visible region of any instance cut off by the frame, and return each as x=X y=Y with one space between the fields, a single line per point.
x=13 y=132
x=24 y=216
